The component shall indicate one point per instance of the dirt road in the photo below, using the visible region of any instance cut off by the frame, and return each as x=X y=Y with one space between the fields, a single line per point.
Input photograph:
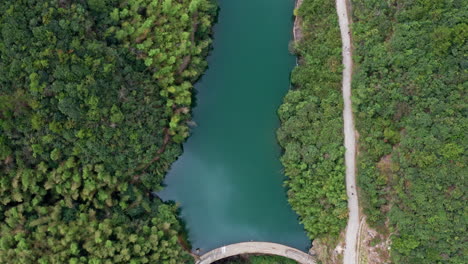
x=350 y=252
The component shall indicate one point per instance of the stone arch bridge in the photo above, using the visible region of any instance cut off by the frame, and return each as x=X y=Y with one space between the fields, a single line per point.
x=256 y=248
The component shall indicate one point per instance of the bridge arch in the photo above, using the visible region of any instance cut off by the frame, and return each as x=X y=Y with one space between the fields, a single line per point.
x=255 y=248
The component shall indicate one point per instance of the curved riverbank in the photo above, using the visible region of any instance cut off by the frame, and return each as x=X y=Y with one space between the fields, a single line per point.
x=311 y=131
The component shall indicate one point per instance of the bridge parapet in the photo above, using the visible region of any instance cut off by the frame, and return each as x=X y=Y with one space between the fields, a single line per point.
x=256 y=248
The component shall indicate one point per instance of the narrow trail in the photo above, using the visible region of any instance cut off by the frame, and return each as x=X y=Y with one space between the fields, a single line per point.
x=350 y=252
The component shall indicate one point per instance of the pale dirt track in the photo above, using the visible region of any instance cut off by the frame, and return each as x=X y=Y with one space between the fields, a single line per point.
x=256 y=248
x=350 y=252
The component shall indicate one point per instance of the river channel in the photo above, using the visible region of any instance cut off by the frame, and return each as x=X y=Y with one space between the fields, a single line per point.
x=229 y=180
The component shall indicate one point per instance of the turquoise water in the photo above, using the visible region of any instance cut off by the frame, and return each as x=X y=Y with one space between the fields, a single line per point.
x=229 y=181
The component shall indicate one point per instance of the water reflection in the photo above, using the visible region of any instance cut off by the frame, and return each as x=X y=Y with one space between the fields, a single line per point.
x=228 y=181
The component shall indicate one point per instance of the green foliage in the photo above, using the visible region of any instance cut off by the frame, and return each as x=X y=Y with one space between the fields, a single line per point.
x=311 y=131
x=85 y=131
x=59 y=234
x=410 y=103
x=172 y=38
x=271 y=260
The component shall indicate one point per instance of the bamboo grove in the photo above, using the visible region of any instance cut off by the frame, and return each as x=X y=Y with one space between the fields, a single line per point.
x=94 y=99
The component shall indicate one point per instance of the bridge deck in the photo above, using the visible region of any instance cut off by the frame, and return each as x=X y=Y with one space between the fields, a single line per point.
x=256 y=248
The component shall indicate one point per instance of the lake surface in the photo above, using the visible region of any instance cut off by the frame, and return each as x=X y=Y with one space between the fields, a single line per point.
x=229 y=181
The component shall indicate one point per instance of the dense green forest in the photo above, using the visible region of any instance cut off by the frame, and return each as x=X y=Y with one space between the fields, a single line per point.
x=411 y=109
x=94 y=99
x=311 y=131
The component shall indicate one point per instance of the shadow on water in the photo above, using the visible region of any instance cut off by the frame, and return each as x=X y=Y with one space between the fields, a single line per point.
x=193 y=105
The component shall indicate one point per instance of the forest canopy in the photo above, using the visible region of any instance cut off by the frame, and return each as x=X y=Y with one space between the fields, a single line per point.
x=411 y=110
x=94 y=99
x=311 y=131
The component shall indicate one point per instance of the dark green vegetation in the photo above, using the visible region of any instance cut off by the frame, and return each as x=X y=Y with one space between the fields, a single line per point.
x=311 y=131
x=411 y=110
x=94 y=96
x=256 y=259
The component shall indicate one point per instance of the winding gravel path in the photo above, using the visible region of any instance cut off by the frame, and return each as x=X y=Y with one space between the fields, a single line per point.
x=350 y=252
